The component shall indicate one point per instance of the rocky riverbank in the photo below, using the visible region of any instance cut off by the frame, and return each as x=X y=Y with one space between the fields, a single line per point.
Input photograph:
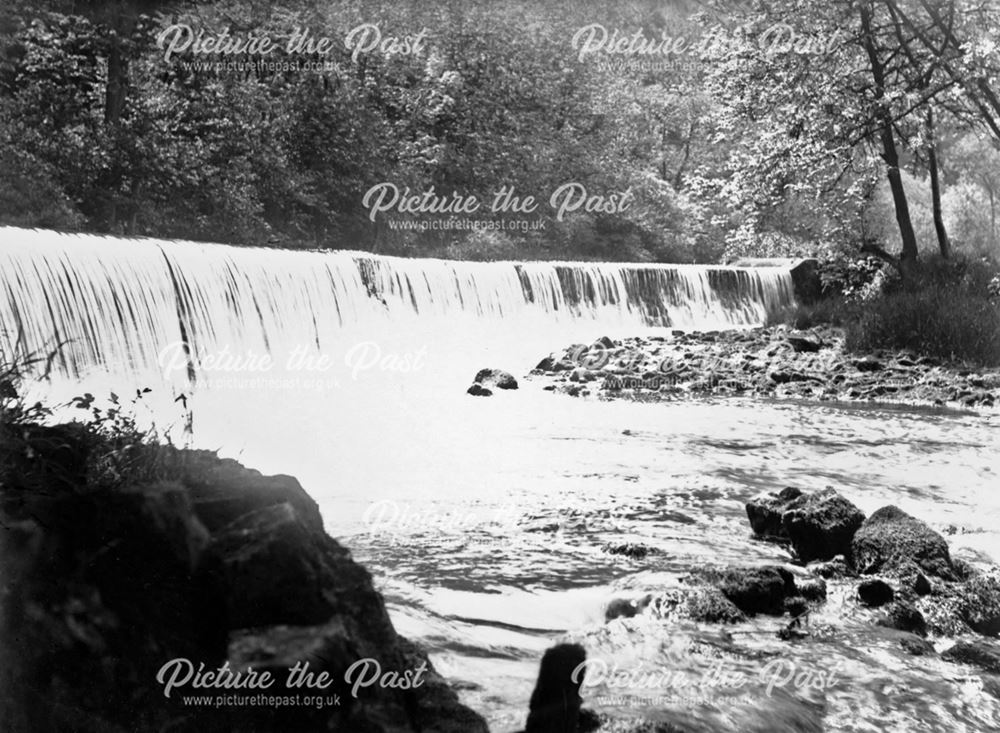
x=773 y=362
x=121 y=603
x=865 y=608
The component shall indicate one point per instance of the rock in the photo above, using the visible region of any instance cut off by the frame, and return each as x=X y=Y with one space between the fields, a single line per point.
x=478 y=390
x=765 y=511
x=272 y=568
x=812 y=589
x=495 y=378
x=804 y=342
x=785 y=376
x=548 y=364
x=821 y=525
x=709 y=605
x=868 y=364
x=918 y=583
x=222 y=490
x=555 y=701
x=890 y=540
x=620 y=608
x=628 y=549
x=836 y=567
x=437 y=708
x=875 y=592
x=604 y=342
x=754 y=590
x=916 y=646
x=904 y=617
x=796 y=607
x=979 y=603
x=109 y=582
x=976 y=652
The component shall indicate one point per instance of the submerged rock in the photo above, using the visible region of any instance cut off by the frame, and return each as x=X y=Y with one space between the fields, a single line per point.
x=890 y=541
x=976 y=652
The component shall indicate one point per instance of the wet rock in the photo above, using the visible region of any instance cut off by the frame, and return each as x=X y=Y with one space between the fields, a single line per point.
x=917 y=582
x=709 y=605
x=754 y=590
x=555 y=702
x=633 y=550
x=804 y=342
x=548 y=364
x=890 y=540
x=812 y=589
x=916 y=645
x=786 y=376
x=478 y=390
x=976 y=652
x=904 y=617
x=836 y=567
x=620 y=608
x=604 y=342
x=495 y=378
x=821 y=525
x=766 y=509
x=875 y=592
x=868 y=364
x=796 y=607
x=979 y=603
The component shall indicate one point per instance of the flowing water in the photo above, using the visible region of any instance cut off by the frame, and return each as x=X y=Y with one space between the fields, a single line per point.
x=482 y=520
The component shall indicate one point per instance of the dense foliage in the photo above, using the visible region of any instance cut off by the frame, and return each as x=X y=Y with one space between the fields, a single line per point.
x=731 y=145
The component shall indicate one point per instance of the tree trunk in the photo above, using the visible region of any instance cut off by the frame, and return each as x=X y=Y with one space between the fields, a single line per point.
x=890 y=155
x=114 y=98
x=932 y=164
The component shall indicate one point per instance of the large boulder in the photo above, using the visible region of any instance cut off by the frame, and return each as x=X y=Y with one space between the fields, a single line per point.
x=819 y=525
x=891 y=542
x=102 y=585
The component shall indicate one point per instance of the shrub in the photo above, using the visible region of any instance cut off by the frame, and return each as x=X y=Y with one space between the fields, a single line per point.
x=834 y=311
x=952 y=323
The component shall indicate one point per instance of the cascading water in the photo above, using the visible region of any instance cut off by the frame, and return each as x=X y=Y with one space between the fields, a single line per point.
x=118 y=303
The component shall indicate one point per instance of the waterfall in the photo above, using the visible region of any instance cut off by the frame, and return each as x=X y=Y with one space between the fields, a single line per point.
x=116 y=304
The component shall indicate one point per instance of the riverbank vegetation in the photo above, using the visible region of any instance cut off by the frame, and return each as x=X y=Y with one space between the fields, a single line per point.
x=778 y=129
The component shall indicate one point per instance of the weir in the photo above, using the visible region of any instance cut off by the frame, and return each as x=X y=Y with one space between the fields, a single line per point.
x=116 y=303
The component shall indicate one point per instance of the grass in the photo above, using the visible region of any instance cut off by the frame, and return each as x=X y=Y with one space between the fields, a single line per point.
x=942 y=322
